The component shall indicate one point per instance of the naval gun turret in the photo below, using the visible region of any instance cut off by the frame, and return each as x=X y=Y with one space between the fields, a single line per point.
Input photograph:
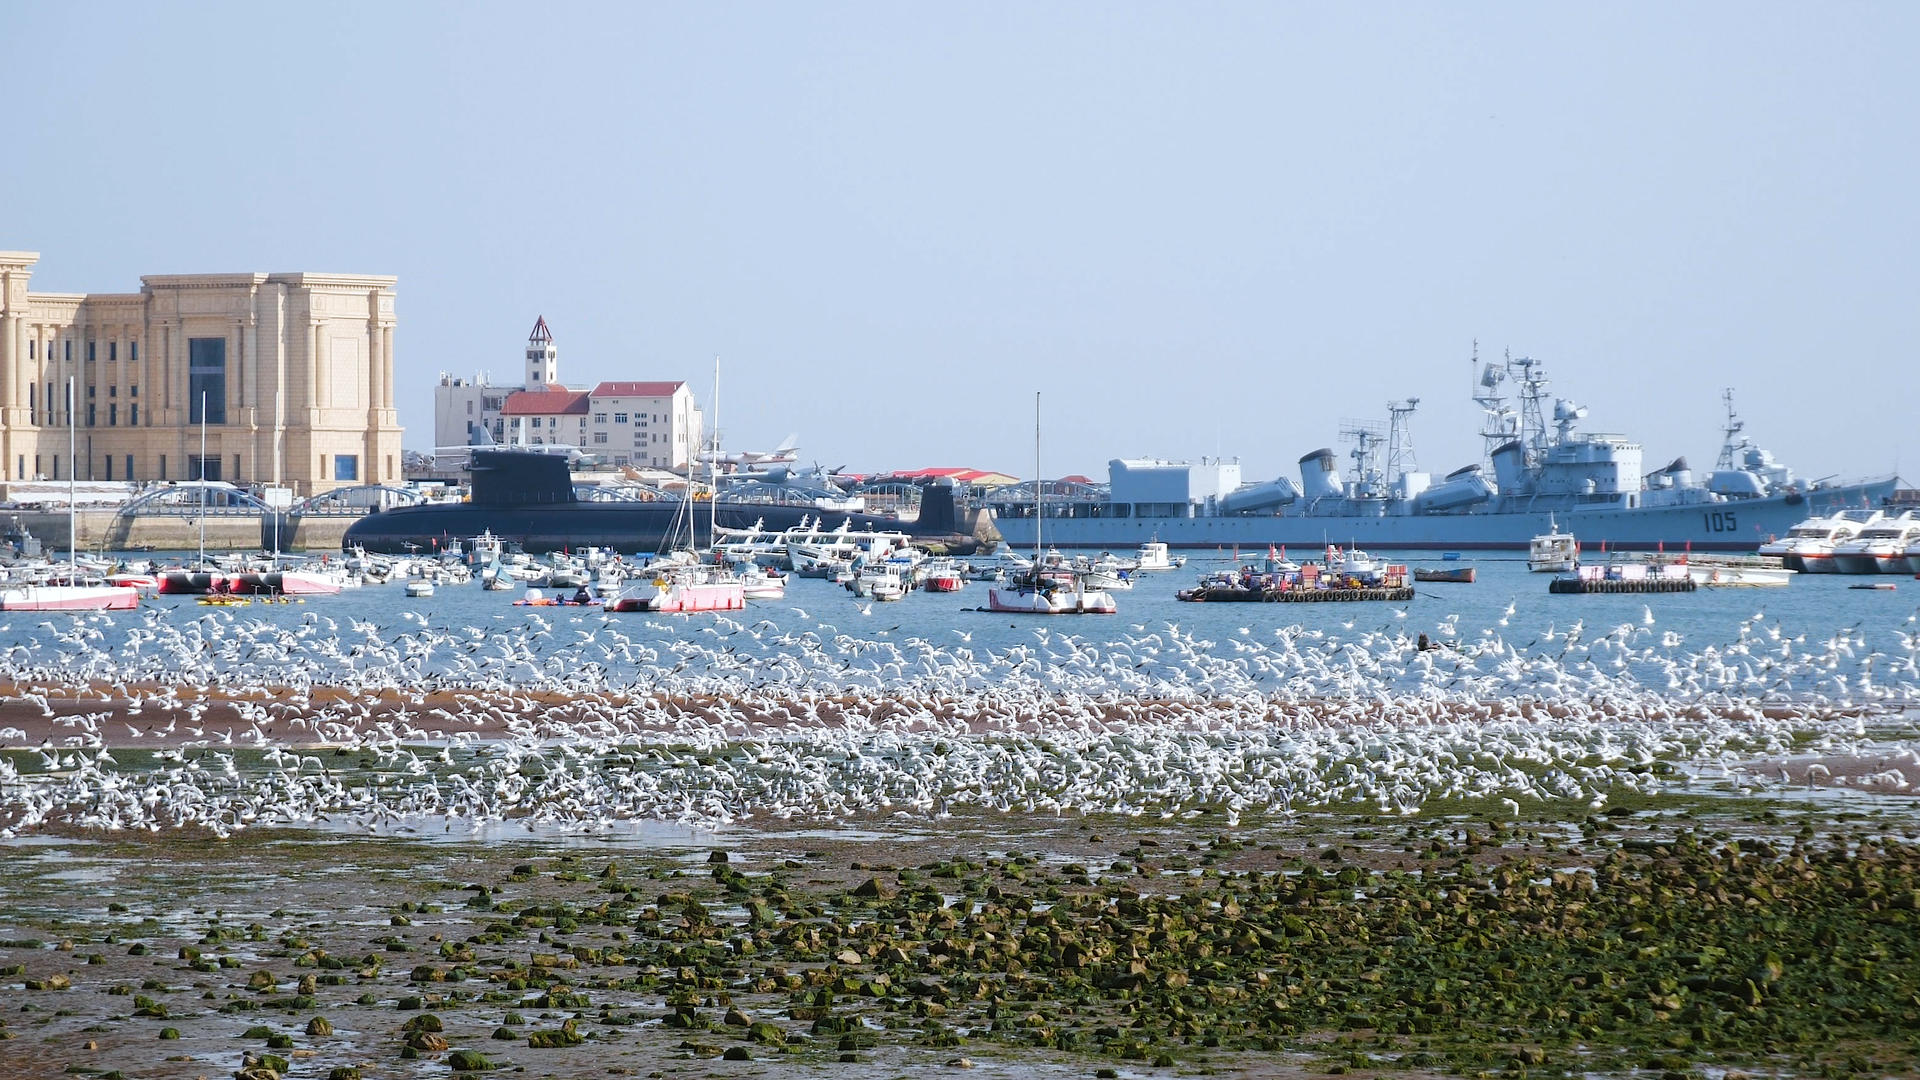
x=1320 y=475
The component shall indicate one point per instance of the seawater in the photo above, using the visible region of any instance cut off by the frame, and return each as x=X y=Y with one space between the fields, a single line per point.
x=1507 y=604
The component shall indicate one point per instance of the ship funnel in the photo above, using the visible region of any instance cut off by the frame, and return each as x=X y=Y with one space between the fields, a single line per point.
x=1510 y=467
x=1320 y=474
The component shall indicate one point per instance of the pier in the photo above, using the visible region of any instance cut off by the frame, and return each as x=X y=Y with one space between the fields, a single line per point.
x=1217 y=594
x=1614 y=585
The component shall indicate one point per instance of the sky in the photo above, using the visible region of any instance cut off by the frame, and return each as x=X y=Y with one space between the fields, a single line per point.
x=1194 y=229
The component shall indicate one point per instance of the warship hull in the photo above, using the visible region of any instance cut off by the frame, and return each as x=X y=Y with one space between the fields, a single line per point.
x=1733 y=525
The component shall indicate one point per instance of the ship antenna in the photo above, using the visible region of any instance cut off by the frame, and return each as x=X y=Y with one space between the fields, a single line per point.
x=1734 y=426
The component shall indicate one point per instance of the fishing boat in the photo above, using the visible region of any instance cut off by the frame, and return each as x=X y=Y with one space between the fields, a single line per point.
x=1553 y=552
x=1461 y=575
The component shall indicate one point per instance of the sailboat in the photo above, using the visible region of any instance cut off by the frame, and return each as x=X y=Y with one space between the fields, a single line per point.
x=682 y=582
x=1047 y=587
x=73 y=593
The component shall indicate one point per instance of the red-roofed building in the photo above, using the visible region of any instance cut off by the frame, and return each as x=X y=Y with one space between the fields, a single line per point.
x=625 y=422
x=977 y=477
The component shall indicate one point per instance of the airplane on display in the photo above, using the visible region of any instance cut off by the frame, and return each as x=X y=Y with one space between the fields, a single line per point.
x=785 y=454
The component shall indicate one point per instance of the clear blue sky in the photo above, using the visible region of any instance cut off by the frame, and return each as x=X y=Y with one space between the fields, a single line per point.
x=1197 y=228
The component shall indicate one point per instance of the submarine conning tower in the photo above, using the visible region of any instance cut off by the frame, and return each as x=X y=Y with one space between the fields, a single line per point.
x=520 y=478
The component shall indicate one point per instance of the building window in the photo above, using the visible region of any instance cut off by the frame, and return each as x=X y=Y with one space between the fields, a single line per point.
x=33 y=349
x=207 y=381
x=113 y=391
x=599 y=437
x=133 y=415
x=113 y=352
x=236 y=468
x=113 y=417
x=89 y=350
x=346 y=466
x=599 y=418
x=23 y=468
x=163 y=466
x=33 y=403
x=204 y=468
x=619 y=418
x=129 y=466
x=536 y=421
x=109 y=467
x=90 y=412
x=134 y=390
x=469 y=408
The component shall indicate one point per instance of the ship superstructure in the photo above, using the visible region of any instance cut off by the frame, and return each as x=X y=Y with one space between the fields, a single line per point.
x=1539 y=470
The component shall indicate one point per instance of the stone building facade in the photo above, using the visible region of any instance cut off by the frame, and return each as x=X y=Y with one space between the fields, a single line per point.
x=290 y=376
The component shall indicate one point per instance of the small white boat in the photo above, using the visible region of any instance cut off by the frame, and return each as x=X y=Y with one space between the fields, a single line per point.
x=1553 y=552
x=1154 y=555
x=419 y=587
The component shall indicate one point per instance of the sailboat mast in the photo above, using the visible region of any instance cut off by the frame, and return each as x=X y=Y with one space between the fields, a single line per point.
x=1036 y=482
x=73 y=476
x=203 y=476
x=713 y=461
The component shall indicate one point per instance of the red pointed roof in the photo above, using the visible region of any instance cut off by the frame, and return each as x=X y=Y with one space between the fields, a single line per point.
x=541 y=335
x=638 y=389
x=551 y=400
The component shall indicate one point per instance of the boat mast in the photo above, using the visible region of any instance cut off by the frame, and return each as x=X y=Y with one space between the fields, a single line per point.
x=713 y=458
x=73 y=475
x=203 y=476
x=1036 y=486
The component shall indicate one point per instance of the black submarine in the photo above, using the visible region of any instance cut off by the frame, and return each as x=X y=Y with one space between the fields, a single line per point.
x=529 y=498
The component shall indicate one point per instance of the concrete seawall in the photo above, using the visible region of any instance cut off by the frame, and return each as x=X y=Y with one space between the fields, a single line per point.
x=105 y=530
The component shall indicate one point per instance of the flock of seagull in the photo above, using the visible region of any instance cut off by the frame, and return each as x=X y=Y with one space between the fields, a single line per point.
x=222 y=721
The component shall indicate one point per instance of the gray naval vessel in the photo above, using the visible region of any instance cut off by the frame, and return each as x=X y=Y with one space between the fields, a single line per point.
x=1539 y=474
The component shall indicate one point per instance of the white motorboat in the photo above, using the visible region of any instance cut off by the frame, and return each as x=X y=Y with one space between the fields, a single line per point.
x=1879 y=548
x=1154 y=555
x=1553 y=552
x=419 y=587
x=1808 y=547
x=1913 y=557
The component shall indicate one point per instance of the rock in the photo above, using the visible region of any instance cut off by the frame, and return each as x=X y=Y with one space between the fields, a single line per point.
x=769 y=1034
x=876 y=889
x=567 y=1035
x=737 y=1053
x=344 y=1072
x=319 y=1027
x=427 y=1041
x=848 y=957
x=424 y=1022
x=260 y=980
x=736 y=1018
x=468 y=1061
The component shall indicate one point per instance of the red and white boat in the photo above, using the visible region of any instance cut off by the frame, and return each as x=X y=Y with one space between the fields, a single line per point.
x=943 y=575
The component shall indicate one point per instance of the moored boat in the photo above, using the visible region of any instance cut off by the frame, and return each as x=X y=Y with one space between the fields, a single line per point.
x=1462 y=575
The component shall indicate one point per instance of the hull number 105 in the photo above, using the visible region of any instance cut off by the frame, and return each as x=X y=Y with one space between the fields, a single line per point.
x=1720 y=521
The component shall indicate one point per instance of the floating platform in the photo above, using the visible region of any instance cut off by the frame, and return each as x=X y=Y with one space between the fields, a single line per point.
x=1217 y=594
x=1642 y=585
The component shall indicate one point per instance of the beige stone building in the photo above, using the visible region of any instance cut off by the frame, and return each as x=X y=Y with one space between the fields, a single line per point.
x=291 y=373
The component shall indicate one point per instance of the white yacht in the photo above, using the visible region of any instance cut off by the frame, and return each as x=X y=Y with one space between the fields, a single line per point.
x=1879 y=548
x=1808 y=547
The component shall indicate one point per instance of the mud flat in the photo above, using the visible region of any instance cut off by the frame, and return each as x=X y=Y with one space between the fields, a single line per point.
x=1695 y=936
